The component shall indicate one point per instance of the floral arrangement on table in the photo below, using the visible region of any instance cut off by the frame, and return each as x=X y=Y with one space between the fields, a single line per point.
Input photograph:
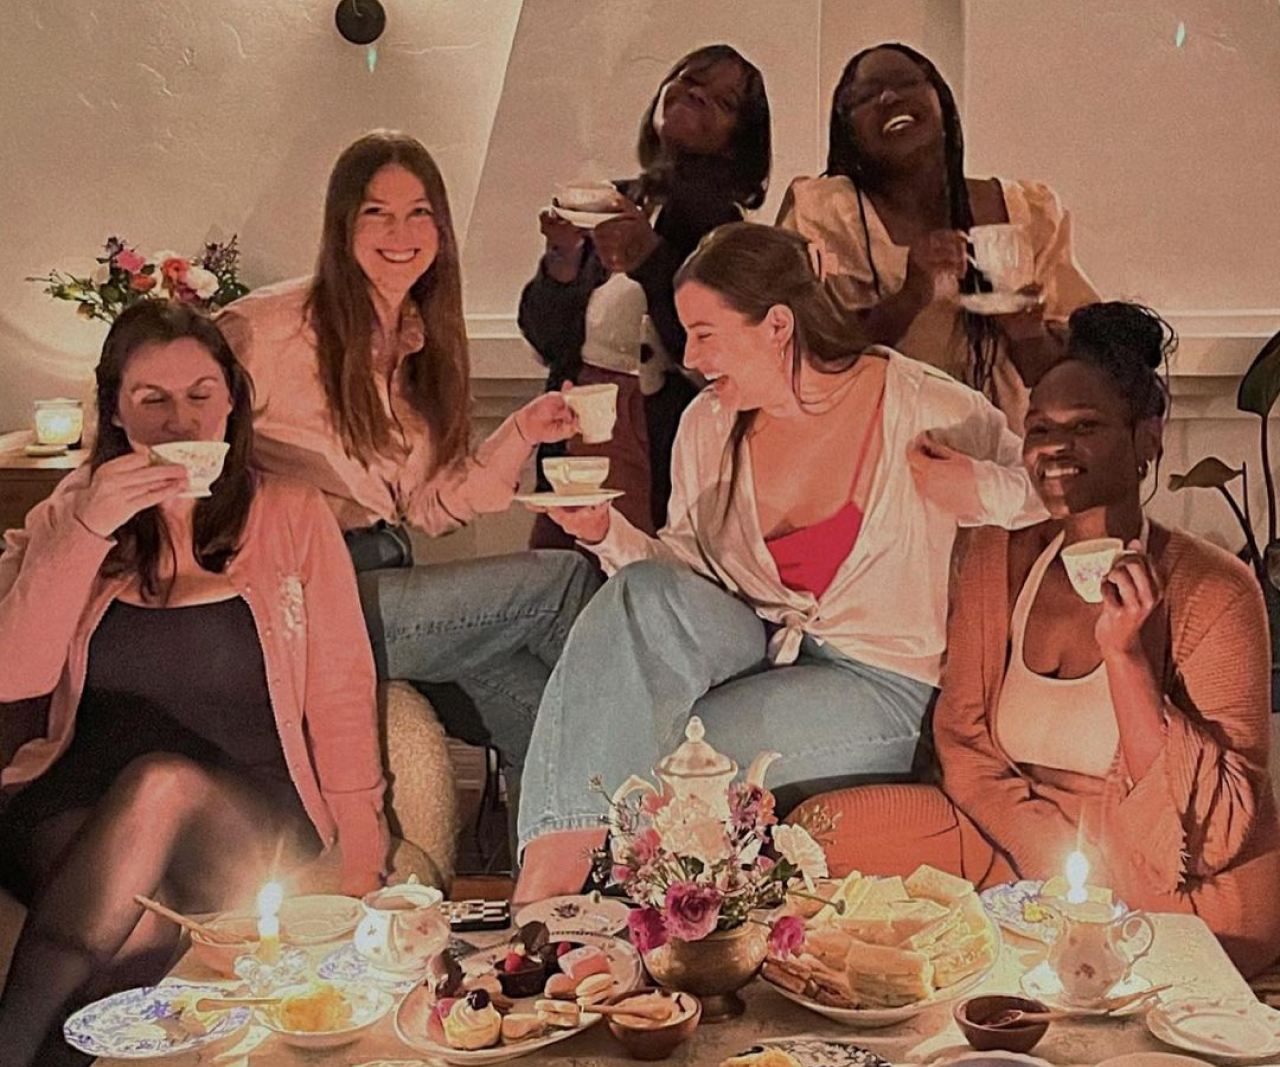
x=695 y=866
x=124 y=276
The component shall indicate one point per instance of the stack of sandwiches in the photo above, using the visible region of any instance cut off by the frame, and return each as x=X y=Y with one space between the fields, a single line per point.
x=893 y=941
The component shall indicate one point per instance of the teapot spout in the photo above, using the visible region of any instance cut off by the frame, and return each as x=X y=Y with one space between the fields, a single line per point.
x=760 y=767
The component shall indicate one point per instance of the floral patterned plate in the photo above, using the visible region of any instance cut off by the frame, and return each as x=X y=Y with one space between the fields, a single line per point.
x=126 y=1025
x=590 y=913
x=820 y=1052
x=345 y=964
x=1228 y=1029
x=1014 y=906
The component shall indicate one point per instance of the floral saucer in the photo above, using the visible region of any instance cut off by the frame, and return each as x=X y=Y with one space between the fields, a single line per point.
x=1012 y=904
x=345 y=964
x=1041 y=983
x=568 y=500
x=584 y=220
x=590 y=913
x=127 y=1025
x=1228 y=1029
x=820 y=1052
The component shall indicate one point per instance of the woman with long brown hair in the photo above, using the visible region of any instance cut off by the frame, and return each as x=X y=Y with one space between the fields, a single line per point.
x=363 y=387
x=795 y=600
x=207 y=691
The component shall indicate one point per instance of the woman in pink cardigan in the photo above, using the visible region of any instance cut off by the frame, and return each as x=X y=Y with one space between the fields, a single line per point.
x=1139 y=725
x=209 y=687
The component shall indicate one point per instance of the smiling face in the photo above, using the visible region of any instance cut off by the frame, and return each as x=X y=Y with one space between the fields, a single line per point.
x=1081 y=447
x=891 y=108
x=394 y=239
x=172 y=391
x=748 y=363
x=697 y=110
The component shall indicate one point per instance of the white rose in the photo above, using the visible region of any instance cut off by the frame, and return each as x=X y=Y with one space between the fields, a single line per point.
x=799 y=848
x=204 y=282
x=101 y=274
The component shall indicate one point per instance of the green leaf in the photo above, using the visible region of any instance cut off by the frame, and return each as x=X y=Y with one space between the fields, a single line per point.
x=1209 y=473
x=1260 y=386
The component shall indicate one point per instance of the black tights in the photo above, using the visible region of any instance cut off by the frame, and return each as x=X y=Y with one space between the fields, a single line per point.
x=196 y=837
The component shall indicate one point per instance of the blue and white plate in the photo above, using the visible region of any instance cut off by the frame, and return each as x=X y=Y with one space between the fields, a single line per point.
x=345 y=964
x=1006 y=904
x=821 y=1052
x=125 y=1025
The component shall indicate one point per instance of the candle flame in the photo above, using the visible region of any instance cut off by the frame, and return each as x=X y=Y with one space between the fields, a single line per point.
x=1077 y=876
x=269 y=900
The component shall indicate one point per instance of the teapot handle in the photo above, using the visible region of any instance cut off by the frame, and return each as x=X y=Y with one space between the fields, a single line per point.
x=634 y=784
x=1124 y=930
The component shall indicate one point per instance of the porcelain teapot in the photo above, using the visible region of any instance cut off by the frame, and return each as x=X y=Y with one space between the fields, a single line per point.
x=402 y=927
x=696 y=770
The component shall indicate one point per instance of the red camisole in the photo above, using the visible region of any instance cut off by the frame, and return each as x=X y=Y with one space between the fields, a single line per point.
x=807 y=559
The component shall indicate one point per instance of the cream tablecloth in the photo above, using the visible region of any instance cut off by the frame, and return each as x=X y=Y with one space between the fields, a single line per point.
x=1185 y=954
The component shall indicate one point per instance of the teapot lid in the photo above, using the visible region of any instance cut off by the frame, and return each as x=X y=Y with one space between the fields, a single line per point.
x=695 y=758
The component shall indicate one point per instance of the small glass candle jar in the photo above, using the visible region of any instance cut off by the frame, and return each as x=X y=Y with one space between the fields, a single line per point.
x=59 y=421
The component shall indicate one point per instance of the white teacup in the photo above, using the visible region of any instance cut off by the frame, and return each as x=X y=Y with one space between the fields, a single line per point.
x=203 y=460
x=402 y=927
x=1089 y=562
x=597 y=409
x=575 y=474
x=589 y=196
x=1096 y=950
x=1002 y=255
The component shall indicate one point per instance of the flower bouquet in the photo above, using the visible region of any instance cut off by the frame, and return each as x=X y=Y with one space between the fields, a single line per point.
x=124 y=276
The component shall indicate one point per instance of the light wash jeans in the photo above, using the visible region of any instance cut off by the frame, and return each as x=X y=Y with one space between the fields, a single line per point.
x=659 y=643
x=493 y=626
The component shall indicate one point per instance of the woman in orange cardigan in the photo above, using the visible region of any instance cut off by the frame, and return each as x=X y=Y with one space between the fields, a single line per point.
x=1139 y=725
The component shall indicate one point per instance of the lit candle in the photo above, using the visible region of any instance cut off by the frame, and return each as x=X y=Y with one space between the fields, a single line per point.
x=1077 y=876
x=59 y=421
x=269 y=922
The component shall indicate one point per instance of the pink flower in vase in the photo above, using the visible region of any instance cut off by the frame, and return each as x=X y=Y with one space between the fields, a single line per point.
x=786 y=937
x=621 y=872
x=129 y=260
x=646 y=928
x=692 y=910
x=652 y=803
x=142 y=283
x=646 y=845
x=174 y=269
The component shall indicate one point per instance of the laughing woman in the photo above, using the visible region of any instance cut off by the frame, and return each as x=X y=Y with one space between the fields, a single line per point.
x=210 y=695
x=363 y=384
x=796 y=598
x=890 y=216
x=704 y=150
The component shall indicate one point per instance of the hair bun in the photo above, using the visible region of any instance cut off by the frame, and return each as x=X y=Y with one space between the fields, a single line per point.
x=1119 y=331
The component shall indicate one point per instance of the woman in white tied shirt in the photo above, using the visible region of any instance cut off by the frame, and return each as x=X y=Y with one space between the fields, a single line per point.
x=796 y=598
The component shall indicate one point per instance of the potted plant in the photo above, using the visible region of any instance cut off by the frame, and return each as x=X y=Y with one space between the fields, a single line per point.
x=1258 y=392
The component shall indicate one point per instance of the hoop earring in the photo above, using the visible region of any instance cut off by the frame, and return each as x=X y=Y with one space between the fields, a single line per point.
x=1143 y=467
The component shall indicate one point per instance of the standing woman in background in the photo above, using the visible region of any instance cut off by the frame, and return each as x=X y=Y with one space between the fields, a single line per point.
x=363 y=385
x=704 y=152
x=891 y=214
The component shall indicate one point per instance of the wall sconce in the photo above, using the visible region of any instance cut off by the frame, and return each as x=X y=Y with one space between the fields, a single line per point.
x=59 y=422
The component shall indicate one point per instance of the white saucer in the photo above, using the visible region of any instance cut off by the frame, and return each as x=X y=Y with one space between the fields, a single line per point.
x=1151 y=1059
x=569 y=500
x=1042 y=984
x=584 y=220
x=997 y=303
x=1228 y=1029
x=590 y=912
x=45 y=450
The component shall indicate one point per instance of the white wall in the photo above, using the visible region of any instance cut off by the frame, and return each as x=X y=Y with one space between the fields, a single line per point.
x=157 y=119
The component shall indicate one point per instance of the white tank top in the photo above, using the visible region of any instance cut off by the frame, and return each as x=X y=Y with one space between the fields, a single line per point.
x=1065 y=723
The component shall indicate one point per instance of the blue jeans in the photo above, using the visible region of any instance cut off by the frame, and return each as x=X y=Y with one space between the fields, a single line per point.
x=659 y=643
x=493 y=626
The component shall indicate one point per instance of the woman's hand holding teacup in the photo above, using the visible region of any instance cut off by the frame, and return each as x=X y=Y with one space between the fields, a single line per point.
x=124 y=486
x=937 y=254
x=564 y=246
x=1028 y=324
x=1131 y=591
x=624 y=242
x=546 y=419
x=590 y=525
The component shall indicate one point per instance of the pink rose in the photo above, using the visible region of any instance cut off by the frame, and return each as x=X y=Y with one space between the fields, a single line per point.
x=129 y=260
x=647 y=929
x=786 y=938
x=692 y=910
x=622 y=873
x=174 y=268
x=142 y=283
x=646 y=845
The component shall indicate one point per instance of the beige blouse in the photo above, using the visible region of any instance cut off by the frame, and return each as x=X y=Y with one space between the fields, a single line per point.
x=825 y=210
x=887 y=604
x=294 y=434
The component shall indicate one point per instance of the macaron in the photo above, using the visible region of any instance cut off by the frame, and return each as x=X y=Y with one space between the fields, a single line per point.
x=561 y=987
x=561 y=1013
x=522 y=1025
x=596 y=989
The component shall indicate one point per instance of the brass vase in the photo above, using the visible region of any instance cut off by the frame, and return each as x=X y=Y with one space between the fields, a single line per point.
x=713 y=969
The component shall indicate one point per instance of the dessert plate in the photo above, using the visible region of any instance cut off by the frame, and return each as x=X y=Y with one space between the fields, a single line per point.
x=368 y=1005
x=1228 y=1029
x=412 y=1016
x=1041 y=983
x=1008 y=905
x=346 y=965
x=568 y=500
x=997 y=303
x=584 y=220
x=820 y=1052
x=127 y=1025
x=591 y=913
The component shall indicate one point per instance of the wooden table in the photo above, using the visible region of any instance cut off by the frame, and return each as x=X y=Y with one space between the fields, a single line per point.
x=27 y=480
x=1185 y=953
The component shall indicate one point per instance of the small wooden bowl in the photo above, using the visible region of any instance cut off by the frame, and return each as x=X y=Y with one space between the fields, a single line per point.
x=656 y=1042
x=222 y=958
x=971 y=1014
